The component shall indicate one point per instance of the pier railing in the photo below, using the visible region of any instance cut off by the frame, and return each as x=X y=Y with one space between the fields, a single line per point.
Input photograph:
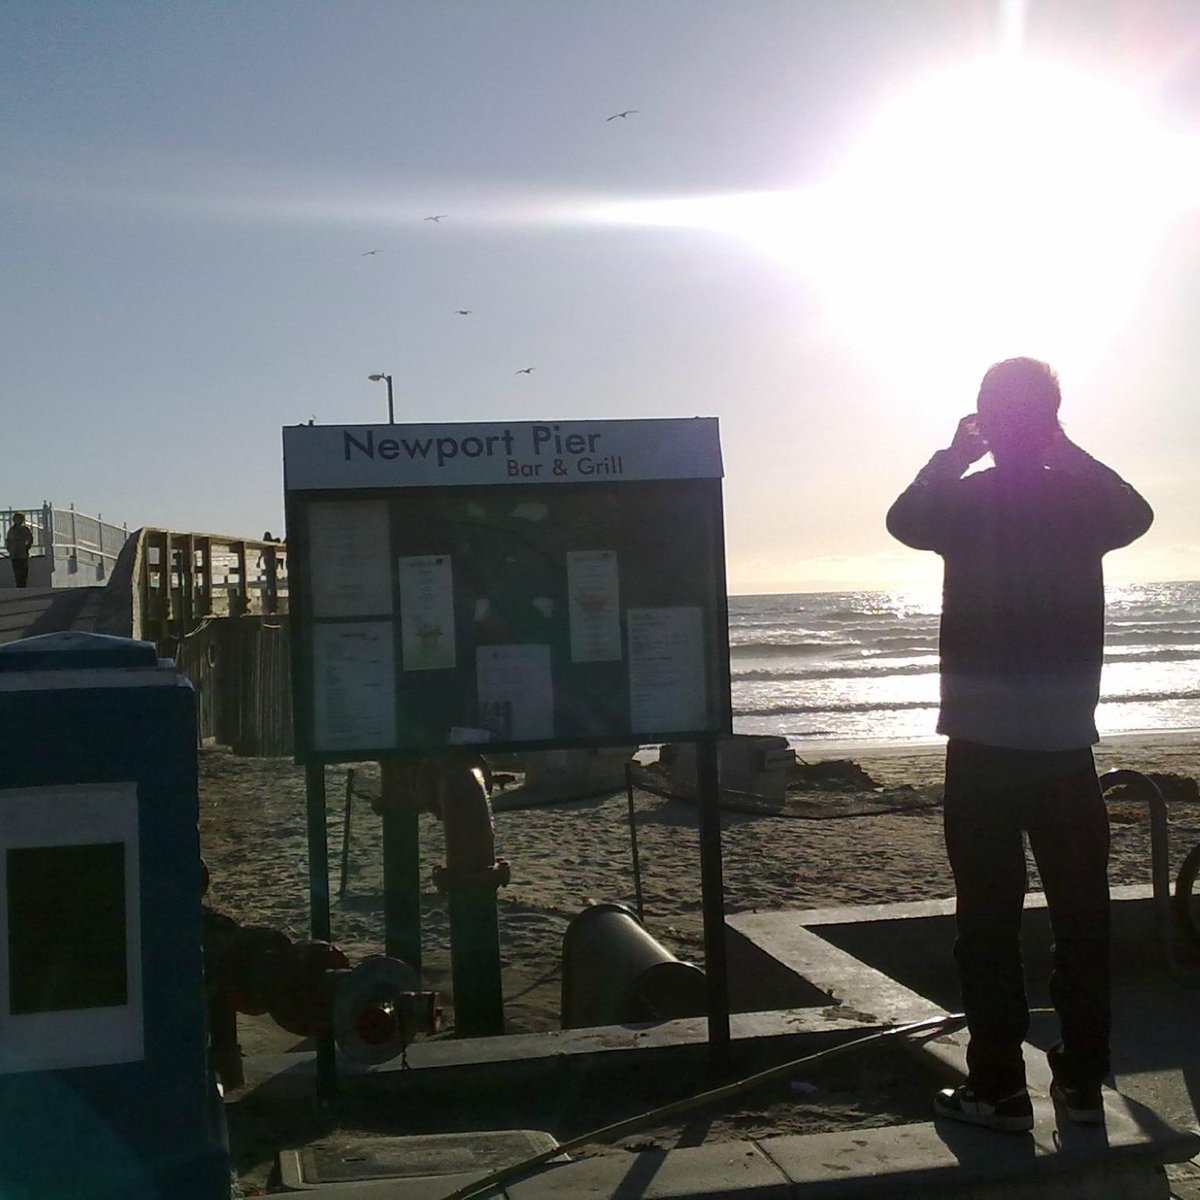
x=216 y=605
x=184 y=578
x=85 y=549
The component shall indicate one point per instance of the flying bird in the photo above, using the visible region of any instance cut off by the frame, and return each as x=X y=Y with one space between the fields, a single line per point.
x=366 y=252
x=462 y=312
x=438 y=217
x=624 y=114
x=525 y=371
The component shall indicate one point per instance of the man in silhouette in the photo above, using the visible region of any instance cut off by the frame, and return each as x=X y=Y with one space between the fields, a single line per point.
x=17 y=542
x=1022 y=641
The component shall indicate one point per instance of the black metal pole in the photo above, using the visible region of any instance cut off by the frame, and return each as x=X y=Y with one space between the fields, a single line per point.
x=712 y=889
x=391 y=409
x=401 y=868
x=318 y=852
x=475 y=962
x=318 y=911
x=633 y=846
x=343 y=878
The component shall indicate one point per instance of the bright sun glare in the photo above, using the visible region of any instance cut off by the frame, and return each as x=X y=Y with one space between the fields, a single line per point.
x=1005 y=207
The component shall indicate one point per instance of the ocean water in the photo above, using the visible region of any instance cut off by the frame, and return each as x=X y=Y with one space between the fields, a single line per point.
x=828 y=668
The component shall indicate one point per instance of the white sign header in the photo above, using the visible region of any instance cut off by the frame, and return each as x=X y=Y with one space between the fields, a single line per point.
x=385 y=456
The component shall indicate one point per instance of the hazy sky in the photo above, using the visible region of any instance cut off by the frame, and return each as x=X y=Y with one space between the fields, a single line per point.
x=822 y=223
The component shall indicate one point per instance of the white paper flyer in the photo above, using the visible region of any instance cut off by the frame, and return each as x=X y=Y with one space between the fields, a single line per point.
x=666 y=670
x=354 y=697
x=349 y=563
x=593 y=605
x=426 y=612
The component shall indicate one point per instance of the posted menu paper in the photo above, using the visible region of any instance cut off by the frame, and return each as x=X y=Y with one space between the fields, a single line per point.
x=354 y=697
x=593 y=606
x=426 y=612
x=666 y=670
x=349 y=563
x=515 y=692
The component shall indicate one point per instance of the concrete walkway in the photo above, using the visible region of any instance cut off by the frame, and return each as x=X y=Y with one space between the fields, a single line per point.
x=930 y=1161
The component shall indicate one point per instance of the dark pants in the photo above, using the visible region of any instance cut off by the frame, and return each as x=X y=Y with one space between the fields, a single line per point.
x=994 y=795
x=20 y=568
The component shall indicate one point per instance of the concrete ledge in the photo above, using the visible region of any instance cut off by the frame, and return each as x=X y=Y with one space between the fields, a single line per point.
x=506 y=1059
x=855 y=987
x=858 y=914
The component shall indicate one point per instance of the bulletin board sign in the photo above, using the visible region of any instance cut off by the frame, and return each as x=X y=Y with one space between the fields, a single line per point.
x=519 y=586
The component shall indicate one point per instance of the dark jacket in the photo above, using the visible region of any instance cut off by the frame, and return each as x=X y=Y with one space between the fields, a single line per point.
x=1022 y=634
x=18 y=540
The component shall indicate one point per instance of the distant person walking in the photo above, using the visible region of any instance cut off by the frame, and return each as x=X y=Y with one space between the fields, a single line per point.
x=17 y=542
x=1022 y=642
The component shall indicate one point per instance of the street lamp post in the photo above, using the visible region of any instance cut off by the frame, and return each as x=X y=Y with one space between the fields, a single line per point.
x=388 y=380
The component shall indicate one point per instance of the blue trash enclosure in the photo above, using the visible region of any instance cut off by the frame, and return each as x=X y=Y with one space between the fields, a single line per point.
x=104 y=1082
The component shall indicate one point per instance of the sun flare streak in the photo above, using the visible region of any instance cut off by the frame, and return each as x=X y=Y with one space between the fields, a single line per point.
x=1005 y=207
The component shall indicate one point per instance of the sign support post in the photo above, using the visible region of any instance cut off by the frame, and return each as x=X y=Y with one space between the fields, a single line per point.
x=318 y=908
x=401 y=868
x=318 y=851
x=712 y=890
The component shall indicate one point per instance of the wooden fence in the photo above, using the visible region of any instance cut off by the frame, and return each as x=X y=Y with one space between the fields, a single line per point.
x=218 y=606
x=241 y=670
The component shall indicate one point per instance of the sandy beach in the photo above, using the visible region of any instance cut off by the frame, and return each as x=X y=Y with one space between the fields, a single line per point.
x=568 y=855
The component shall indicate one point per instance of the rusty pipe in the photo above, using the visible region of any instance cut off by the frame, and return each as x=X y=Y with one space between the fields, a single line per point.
x=467 y=817
x=469 y=879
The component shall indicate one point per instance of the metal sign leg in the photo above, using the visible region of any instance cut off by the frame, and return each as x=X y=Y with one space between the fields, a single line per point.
x=713 y=891
x=401 y=867
x=318 y=909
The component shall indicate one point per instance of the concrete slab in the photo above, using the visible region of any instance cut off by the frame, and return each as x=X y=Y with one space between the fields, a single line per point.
x=724 y=1171
x=911 y=1162
x=1184 y=1179
x=946 y=1159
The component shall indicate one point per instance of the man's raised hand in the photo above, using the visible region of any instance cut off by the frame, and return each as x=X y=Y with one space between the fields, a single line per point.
x=968 y=444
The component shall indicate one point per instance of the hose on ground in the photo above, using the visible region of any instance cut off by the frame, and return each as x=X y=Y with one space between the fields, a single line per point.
x=666 y=1112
